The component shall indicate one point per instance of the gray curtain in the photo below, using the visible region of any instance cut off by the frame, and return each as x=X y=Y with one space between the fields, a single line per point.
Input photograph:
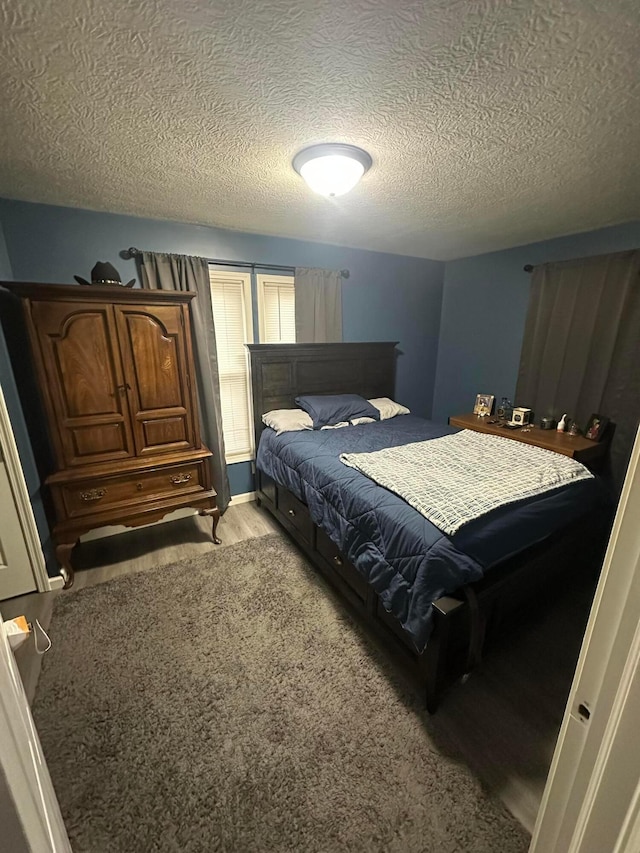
x=182 y=272
x=318 y=306
x=581 y=349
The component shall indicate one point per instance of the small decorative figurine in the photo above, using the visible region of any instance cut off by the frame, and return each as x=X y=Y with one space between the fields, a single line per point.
x=562 y=423
x=105 y=273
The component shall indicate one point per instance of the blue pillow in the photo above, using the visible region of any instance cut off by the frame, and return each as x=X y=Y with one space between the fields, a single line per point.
x=327 y=409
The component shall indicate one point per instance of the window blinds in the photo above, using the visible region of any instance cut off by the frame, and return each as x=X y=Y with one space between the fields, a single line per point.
x=233 y=320
x=231 y=300
x=276 y=300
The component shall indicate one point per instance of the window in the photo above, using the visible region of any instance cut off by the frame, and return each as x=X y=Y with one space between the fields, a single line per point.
x=276 y=309
x=233 y=321
x=232 y=316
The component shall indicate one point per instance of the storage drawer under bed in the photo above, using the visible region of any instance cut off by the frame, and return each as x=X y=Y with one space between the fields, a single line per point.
x=297 y=513
x=347 y=571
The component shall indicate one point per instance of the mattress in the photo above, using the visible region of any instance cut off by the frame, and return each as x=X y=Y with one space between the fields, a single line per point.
x=409 y=562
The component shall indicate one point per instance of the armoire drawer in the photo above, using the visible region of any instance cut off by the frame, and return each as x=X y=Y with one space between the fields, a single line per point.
x=296 y=512
x=341 y=566
x=90 y=496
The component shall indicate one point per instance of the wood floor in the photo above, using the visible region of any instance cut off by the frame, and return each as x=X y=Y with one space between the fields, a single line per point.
x=504 y=721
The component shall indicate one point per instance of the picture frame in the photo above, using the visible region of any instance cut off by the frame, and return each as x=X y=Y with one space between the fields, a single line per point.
x=483 y=405
x=596 y=426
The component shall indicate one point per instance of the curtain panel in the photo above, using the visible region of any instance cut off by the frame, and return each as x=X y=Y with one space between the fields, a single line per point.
x=318 y=305
x=186 y=273
x=581 y=348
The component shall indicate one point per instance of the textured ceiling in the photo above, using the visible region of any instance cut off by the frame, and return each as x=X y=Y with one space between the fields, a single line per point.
x=491 y=123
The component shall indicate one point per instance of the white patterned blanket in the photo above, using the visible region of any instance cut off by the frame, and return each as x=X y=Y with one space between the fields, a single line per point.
x=459 y=477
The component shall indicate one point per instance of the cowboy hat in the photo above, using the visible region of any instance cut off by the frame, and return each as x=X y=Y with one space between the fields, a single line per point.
x=105 y=273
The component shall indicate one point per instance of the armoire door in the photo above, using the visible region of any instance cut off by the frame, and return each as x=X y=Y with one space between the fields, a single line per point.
x=158 y=371
x=84 y=383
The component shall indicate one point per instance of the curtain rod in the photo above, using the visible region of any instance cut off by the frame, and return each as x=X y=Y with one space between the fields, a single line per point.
x=132 y=252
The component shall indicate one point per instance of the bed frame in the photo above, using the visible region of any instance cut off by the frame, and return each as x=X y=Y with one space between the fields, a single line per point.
x=464 y=621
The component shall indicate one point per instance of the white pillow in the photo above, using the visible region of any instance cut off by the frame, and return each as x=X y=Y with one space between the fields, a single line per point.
x=287 y=420
x=388 y=408
x=359 y=421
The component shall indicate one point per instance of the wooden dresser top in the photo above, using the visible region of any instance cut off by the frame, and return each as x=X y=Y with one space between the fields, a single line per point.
x=577 y=446
x=94 y=292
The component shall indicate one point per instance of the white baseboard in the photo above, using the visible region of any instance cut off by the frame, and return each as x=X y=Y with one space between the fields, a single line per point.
x=244 y=498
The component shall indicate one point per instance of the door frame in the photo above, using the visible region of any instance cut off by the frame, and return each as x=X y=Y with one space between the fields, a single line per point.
x=28 y=794
x=9 y=450
x=592 y=796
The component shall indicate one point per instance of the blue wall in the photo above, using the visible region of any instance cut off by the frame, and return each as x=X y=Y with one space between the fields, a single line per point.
x=484 y=310
x=387 y=297
x=12 y=400
x=459 y=325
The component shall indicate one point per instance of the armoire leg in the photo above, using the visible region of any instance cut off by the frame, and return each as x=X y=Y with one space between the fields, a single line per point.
x=63 y=556
x=214 y=514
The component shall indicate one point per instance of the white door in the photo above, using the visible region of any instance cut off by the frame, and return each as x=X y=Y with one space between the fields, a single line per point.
x=16 y=576
x=591 y=803
x=30 y=818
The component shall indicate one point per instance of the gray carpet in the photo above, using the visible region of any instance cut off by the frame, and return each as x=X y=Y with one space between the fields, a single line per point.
x=227 y=703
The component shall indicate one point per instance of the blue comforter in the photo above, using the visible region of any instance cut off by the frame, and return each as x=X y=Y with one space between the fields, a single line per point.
x=408 y=561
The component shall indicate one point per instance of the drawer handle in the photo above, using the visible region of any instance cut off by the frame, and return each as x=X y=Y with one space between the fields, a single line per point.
x=139 y=486
x=93 y=494
x=178 y=479
x=291 y=511
x=337 y=560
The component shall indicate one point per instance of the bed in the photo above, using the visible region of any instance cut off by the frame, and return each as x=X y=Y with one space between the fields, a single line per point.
x=433 y=599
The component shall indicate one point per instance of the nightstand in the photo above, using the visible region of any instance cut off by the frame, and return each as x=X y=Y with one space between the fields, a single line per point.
x=576 y=446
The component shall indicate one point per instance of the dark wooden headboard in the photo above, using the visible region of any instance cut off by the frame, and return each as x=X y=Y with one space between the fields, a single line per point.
x=280 y=372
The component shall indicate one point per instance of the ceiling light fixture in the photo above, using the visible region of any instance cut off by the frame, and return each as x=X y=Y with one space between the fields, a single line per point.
x=332 y=168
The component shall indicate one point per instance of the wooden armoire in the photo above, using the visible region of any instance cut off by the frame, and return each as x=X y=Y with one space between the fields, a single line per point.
x=116 y=372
